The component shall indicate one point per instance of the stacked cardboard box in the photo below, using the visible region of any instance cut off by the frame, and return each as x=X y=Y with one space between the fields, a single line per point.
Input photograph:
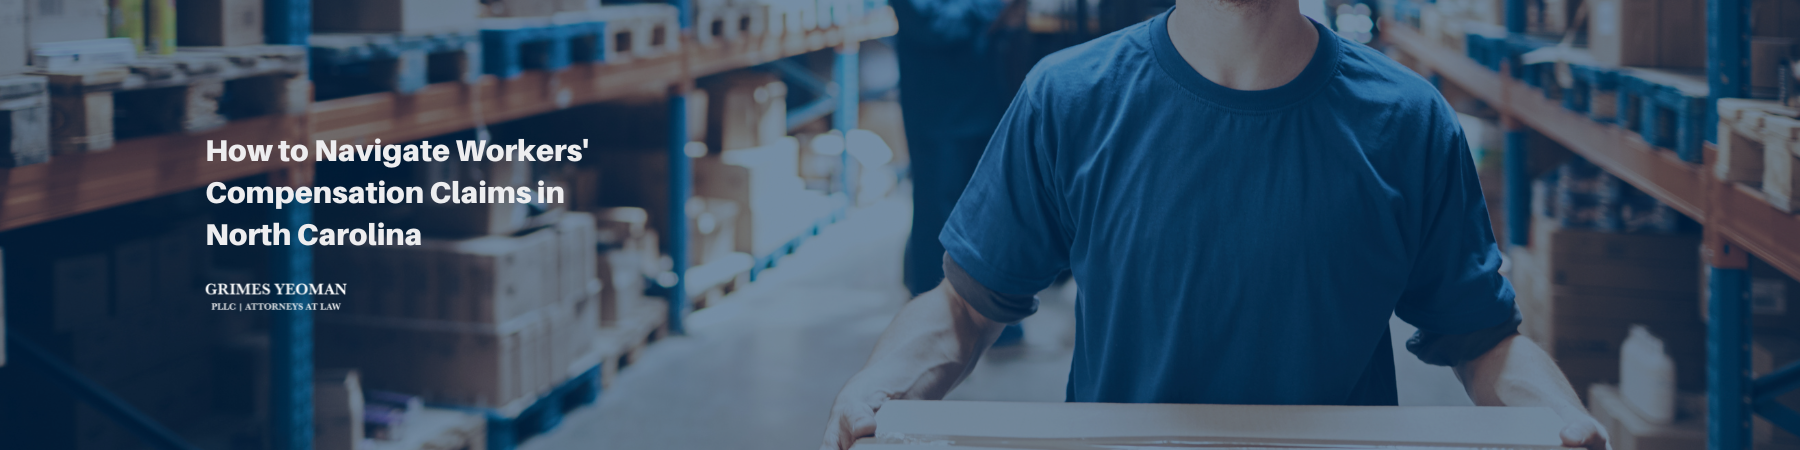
x=1649 y=33
x=1581 y=290
x=456 y=220
x=1775 y=18
x=630 y=255
x=764 y=179
x=746 y=109
x=13 y=43
x=483 y=321
x=1766 y=55
x=536 y=8
x=712 y=225
x=65 y=20
x=404 y=16
x=771 y=202
x=225 y=23
x=337 y=410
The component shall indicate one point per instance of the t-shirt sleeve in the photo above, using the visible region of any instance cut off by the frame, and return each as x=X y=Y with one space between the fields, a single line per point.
x=1455 y=286
x=1007 y=230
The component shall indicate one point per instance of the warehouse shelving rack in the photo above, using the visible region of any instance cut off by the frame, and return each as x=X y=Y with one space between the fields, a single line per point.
x=154 y=166
x=1737 y=221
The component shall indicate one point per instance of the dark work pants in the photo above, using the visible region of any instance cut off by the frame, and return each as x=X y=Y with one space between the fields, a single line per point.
x=941 y=167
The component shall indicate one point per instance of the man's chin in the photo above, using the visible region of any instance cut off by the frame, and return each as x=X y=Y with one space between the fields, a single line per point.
x=1248 y=5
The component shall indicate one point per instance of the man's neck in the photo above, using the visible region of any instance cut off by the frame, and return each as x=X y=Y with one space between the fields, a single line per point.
x=1245 y=47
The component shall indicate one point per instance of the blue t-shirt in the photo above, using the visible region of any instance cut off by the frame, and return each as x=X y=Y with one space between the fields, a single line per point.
x=1236 y=247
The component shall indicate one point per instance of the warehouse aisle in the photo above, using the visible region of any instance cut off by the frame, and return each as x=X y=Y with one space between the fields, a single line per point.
x=759 y=370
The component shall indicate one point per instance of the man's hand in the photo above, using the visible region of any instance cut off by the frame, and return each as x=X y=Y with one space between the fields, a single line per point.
x=931 y=345
x=852 y=418
x=1518 y=373
x=1585 y=432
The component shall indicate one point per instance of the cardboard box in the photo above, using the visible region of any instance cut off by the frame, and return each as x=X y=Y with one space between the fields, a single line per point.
x=337 y=410
x=747 y=109
x=1681 y=34
x=765 y=180
x=220 y=22
x=630 y=253
x=474 y=219
x=1775 y=18
x=1649 y=33
x=1766 y=55
x=406 y=16
x=13 y=45
x=712 y=227
x=490 y=279
x=520 y=8
x=1581 y=290
x=933 y=424
x=65 y=20
x=25 y=117
x=574 y=326
x=468 y=364
x=577 y=256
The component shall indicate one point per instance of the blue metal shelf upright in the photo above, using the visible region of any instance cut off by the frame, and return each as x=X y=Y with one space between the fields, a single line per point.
x=289 y=22
x=1733 y=396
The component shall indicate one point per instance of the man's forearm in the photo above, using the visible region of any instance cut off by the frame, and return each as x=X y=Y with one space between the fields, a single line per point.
x=1518 y=373
x=931 y=345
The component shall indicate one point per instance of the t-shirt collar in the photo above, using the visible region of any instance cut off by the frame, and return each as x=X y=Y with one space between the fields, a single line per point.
x=1318 y=71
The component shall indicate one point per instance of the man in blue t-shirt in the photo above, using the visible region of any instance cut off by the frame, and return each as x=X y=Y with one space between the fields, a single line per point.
x=1244 y=199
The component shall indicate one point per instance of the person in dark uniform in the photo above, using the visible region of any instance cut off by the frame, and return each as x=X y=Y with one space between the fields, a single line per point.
x=953 y=92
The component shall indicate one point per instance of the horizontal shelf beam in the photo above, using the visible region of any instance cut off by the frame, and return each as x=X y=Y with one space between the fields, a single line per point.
x=135 y=170
x=444 y=108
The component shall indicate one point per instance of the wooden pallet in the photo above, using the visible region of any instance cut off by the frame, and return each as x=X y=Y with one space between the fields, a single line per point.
x=346 y=64
x=645 y=30
x=513 y=45
x=1759 y=145
x=24 y=121
x=641 y=321
x=717 y=24
x=191 y=91
x=1666 y=108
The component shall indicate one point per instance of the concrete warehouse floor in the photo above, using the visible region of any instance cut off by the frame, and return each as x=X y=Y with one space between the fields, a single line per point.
x=759 y=370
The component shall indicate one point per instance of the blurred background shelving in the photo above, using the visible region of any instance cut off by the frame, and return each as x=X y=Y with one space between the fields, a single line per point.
x=1637 y=157
x=1685 y=105
x=110 y=113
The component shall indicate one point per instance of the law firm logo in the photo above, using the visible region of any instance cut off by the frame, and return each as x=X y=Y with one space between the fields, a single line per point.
x=280 y=289
x=277 y=288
